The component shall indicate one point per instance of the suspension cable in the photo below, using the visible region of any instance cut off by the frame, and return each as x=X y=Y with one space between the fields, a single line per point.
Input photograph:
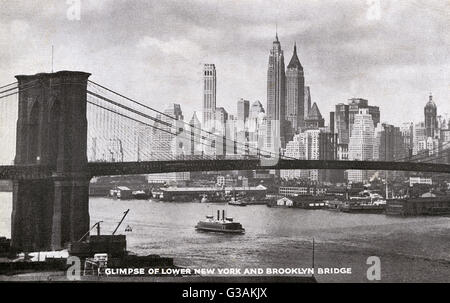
x=152 y=118
x=144 y=123
x=169 y=116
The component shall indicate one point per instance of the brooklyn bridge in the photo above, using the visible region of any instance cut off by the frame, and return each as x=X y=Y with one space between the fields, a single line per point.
x=63 y=121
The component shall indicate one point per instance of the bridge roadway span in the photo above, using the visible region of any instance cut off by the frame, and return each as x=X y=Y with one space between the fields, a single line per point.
x=30 y=172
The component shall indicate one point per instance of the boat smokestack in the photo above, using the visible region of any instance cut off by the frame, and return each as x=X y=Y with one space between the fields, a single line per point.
x=223 y=215
x=218 y=215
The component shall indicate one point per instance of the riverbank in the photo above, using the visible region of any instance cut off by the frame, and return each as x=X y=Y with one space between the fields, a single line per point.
x=412 y=249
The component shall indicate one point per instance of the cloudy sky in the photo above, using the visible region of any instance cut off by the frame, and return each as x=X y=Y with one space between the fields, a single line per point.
x=154 y=50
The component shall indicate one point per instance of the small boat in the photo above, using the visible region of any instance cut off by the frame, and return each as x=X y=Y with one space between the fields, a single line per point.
x=140 y=195
x=363 y=205
x=238 y=202
x=213 y=199
x=363 y=208
x=226 y=225
x=121 y=192
x=283 y=202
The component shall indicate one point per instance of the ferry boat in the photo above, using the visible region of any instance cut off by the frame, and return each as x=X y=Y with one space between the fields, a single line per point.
x=226 y=225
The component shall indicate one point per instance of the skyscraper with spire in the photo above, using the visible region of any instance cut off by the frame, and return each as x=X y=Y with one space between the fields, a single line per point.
x=430 y=112
x=295 y=92
x=194 y=135
x=314 y=119
x=276 y=97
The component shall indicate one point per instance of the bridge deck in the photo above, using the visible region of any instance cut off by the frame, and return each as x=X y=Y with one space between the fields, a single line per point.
x=24 y=172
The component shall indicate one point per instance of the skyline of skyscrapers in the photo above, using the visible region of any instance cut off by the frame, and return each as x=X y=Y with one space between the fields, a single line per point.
x=384 y=141
x=354 y=131
x=302 y=133
x=349 y=135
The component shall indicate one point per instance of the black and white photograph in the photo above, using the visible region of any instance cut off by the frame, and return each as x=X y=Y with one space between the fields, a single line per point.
x=203 y=142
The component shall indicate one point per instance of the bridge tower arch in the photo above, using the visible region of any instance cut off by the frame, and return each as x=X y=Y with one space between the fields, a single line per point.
x=51 y=131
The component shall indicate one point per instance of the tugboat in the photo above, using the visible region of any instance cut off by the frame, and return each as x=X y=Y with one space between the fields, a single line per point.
x=213 y=199
x=226 y=225
x=140 y=195
x=238 y=202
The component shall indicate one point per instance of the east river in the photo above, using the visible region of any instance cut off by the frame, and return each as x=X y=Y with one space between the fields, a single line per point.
x=410 y=249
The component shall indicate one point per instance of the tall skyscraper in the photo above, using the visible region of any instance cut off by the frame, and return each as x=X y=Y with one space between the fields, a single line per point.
x=361 y=143
x=174 y=110
x=392 y=143
x=221 y=118
x=307 y=101
x=276 y=97
x=430 y=112
x=341 y=123
x=167 y=144
x=407 y=130
x=195 y=135
x=311 y=144
x=331 y=126
x=256 y=131
x=209 y=93
x=297 y=148
x=355 y=104
x=377 y=142
x=328 y=151
x=243 y=110
x=419 y=136
x=256 y=109
x=256 y=114
x=195 y=122
x=295 y=93
x=241 y=123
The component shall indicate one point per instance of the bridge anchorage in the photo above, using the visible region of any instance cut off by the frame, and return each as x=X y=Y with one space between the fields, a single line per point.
x=52 y=170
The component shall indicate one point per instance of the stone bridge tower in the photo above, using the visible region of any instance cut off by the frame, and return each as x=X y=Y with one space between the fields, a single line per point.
x=51 y=131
